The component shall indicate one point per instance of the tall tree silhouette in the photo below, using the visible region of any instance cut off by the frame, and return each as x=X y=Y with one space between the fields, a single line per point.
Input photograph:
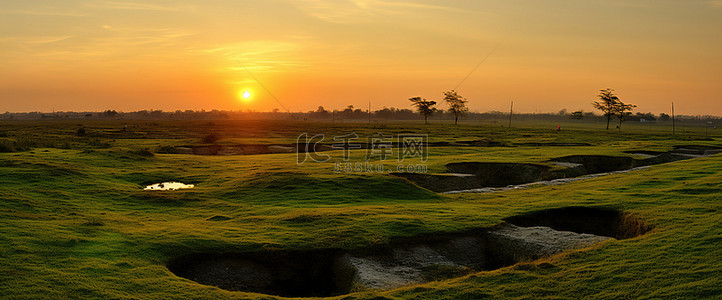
x=456 y=103
x=424 y=107
x=608 y=103
x=622 y=110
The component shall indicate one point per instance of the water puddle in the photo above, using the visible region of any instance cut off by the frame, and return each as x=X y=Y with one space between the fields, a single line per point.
x=168 y=186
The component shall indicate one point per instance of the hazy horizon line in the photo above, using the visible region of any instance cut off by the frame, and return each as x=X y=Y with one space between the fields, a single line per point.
x=568 y=112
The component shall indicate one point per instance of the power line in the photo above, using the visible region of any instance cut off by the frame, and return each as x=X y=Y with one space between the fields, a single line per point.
x=673 y=128
x=266 y=89
x=479 y=64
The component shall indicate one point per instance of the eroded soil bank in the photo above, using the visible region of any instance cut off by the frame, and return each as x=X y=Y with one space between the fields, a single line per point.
x=329 y=272
x=479 y=176
x=250 y=149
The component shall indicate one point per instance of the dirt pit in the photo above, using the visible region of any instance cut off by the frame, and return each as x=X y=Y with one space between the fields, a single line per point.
x=282 y=273
x=473 y=175
x=331 y=272
x=598 y=221
x=482 y=177
x=247 y=149
x=443 y=182
x=697 y=150
x=500 y=174
x=599 y=163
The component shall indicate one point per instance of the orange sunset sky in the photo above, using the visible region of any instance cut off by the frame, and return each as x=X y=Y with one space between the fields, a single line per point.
x=544 y=55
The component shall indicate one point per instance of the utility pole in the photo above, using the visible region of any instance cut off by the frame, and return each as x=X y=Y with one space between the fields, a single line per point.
x=673 y=129
x=511 y=112
x=706 y=128
x=369 y=112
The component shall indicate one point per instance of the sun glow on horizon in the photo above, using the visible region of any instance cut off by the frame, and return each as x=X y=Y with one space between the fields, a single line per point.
x=246 y=95
x=548 y=56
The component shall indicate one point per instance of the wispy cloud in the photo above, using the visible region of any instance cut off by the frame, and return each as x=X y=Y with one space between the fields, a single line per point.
x=134 y=5
x=715 y=3
x=88 y=9
x=104 y=43
x=261 y=55
x=49 y=40
x=133 y=36
x=33 y=12
x=34 y=40
x=358 y=11
x=342 y=11
x=394 y=6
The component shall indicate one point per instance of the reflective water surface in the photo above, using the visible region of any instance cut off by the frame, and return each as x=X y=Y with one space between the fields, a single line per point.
x=168 y=186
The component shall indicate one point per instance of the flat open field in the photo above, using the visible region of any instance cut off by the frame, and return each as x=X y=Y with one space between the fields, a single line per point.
x=76 y=222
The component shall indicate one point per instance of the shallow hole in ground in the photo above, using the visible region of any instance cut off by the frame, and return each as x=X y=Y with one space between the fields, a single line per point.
x=697 y=149
x=645 y=152
x=331 y=272
x=552 y=144
x=302 y=147
x=282 y=273
x=481 y=177
x=471 y=175
x=500 y=174
x=218 y=218
x=599 y=163
x=598 y=221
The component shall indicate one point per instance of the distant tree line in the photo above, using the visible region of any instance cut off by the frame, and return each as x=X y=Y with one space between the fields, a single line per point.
x=608 y=102
x=385 y=113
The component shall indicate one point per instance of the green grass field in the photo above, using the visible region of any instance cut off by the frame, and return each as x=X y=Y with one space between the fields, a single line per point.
x=75 y=221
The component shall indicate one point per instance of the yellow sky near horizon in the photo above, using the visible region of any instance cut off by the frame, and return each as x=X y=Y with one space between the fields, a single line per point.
x=129 y=55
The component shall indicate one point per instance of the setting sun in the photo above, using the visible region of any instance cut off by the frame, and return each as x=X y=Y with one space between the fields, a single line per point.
x=546 y=55
x=246 y=95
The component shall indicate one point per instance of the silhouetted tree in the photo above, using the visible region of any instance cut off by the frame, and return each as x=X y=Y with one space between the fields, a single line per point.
x=608 y=103
x=577 y=115
x=622 y=110
x=321 y=113
x=664 y=117
x=424 y=107
x=385 y=113
x=110 y=113
x=456 y=103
